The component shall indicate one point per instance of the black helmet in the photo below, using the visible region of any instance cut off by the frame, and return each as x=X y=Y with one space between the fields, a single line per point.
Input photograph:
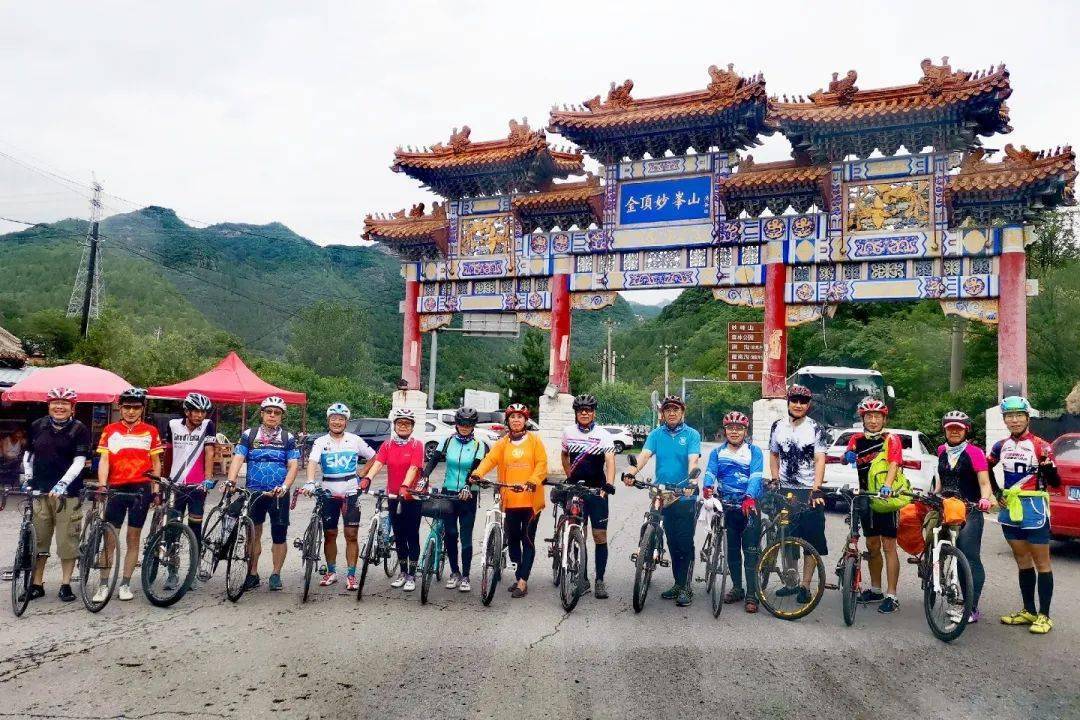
x=585 y=402
x=132 y=396
x=465 y=416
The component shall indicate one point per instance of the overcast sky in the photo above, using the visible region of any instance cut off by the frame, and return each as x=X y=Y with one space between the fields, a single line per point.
x=287 y=111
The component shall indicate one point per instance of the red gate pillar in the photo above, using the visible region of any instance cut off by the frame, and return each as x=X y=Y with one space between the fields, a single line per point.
x=774 y=376
x=559 y=361
x=1012 y=311
x=410 y=337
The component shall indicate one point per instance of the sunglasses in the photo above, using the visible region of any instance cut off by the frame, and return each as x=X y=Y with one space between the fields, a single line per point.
x=131 y=407
x=799 y=400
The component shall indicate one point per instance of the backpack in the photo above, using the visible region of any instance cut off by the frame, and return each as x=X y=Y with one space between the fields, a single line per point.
x=875 y=480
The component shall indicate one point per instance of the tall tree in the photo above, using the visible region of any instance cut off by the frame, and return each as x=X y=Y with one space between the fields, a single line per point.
x=332 y=339
x=526 y=378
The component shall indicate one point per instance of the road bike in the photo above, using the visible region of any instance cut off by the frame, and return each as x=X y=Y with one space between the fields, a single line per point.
x=566 y=547
x=379 y=543
x=948 y=590
x=99 y=549
x=786 y=560
x=849 y=566
x=22 y=569
x=239 y=531
x=436 y=507
x=171 y=546
x=715 y=552
x=496 y=554
x=215 y=541
x=310 y=544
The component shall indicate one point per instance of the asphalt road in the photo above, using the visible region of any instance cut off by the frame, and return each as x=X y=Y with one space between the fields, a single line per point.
x=390 y=657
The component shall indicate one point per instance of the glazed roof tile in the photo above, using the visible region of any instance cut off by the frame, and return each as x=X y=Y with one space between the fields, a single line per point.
x=412 y=227
x=1018 y=170
x=753 y=176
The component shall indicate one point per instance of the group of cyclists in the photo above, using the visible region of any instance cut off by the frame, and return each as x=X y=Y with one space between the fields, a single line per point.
x=732 y=482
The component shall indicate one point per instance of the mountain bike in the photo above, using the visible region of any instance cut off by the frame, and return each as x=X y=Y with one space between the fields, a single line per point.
x=496 y=554
x=215 y=536
x=786 y=559
x=379 y=543
x=22 y=569
x=311 y=542
x=650 y=552
x=99 y=549
x=715 y=552
x=170 y=546
x=849 y=566
x=948 y=590
x=436 y=507
x=567 y=549
x=239 y=530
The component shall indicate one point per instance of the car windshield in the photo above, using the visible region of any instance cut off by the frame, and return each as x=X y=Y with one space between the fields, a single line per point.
x=1067 y=448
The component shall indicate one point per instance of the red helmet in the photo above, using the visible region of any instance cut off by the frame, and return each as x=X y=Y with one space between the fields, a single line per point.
x=799 y=391
x=870 y=404
x=517 y=408
x=61 y=393
x=736 y=418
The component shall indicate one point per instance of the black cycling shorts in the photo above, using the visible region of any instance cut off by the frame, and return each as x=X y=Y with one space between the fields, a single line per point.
x=332 y=512
x=596 y=509
x=191 y=498
x=134 y=506
x=875 y=524
x=277 y=508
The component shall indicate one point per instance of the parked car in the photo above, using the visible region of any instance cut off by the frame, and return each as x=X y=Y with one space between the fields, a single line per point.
x=620 y=434
x=919 y=463
x=436 y=431
x=493 y=420
x=1065 y=500
x=374 y=431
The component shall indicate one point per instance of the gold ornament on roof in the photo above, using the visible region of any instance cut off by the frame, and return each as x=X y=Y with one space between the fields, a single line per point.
x=937 y=78
x=724 y=82
x=520 y=133
x=843 y=88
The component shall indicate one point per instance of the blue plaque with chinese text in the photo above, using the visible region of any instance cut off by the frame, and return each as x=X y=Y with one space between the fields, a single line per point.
x=665 y=201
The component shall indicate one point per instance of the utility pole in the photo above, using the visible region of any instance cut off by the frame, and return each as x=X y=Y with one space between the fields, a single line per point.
x=667 y=350
x=432 y=368
x=85 y=295
x=603 y=367
x=956 y=357
x=610 y=356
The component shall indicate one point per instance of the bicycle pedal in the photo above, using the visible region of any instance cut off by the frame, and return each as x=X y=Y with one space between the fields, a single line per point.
x=549 y=540
x=633 y=557
x=665 y=563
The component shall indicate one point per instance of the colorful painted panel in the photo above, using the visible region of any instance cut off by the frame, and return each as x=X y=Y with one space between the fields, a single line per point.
x=675 y=200
x=483 y=268
x=881 y=168
x=485 y=236
x=666 y=166
x=912 y=245
x=660 y=279
x=916 y=288
x=888 y=206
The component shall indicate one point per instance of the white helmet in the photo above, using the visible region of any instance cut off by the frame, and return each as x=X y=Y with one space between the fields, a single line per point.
x=338 y=409
x=273 y=402
x=403 y=413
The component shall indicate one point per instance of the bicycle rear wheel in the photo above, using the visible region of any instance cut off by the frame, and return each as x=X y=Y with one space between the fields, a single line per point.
x=493 y=552
x=367 y=555
x=949 y=610
x=850 y=572
x=573 y=576
x=391 y=562
x=213 y=538
x=169 y=563
x=239 y=556
x=721 y=572
x=22 y=570
x=788 y=561
x=427 y=569
x=556 y=556
x=643 y=567
x=99 y=566
x=310 y=554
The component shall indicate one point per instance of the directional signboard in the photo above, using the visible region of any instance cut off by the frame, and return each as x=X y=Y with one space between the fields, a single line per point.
x=745 y=358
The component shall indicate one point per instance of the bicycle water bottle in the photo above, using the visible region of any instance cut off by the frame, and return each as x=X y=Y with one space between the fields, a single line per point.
x=386 y=525
x=229 y=525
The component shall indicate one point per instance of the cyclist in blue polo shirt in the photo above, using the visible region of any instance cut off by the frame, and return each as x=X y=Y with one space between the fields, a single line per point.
x=677 y=448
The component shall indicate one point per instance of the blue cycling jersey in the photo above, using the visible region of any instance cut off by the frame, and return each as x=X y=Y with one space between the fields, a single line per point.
x=267 y=454
x=736 y=472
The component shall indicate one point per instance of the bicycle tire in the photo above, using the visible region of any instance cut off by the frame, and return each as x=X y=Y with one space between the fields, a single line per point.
x=556 y=555
x=310 y=554
x=367 y=556
x=781 y=551
x=427 y=570
x=391 y=569
x=573 y=575
x=22 y=570
x=92 y=557
x=492 y=573
x=156 y=546
x=643 y=567
x=236 y=566
x=950 y=555
x=210 y=541
x=849 y=588
x=720 y=557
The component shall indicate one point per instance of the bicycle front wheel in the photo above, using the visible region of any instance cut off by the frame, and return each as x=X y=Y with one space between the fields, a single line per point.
x=99 y=566
x=573 y=576
x=239 y=557
x=849 y=587
x=169 y=563
x=391 y=562
x=643 y=567
x=367 y=555
x=493 y=552
x=210 y=544
x=427 y=569
x=719 y=560
x=948 y=609
x=310 y=554
x=22 y=570
x=799 y=579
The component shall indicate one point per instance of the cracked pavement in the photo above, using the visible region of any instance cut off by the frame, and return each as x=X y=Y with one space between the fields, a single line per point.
x=389 y=657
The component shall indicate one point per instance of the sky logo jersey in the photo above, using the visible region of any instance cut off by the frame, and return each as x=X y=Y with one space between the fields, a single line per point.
x=586 y=451
x=338 y=460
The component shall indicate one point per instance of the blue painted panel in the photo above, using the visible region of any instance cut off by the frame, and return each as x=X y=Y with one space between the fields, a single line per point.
x=665 y=201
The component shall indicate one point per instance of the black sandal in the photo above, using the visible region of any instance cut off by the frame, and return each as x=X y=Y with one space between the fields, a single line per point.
x=517 y=592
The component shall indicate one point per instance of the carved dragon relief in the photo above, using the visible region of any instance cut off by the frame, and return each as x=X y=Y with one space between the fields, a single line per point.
x=843 y=89
x=618 y=97
x=938 y=78
x=520 y=133
x=724 y=82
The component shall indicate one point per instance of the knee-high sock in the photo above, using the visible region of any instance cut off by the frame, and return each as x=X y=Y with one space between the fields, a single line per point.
x=601 y=560
x=1027 y=588
x=1046 y=591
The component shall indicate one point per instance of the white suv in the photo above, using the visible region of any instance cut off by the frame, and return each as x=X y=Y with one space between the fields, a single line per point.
x=620 y=434
x=919 y=464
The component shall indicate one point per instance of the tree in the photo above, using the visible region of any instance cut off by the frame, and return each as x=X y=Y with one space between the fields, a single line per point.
x=332 y=339
x=50 y=333
x=1055 y=242
x=526 y=379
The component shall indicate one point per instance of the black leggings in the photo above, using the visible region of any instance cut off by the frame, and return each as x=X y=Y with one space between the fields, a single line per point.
x=520 y=524
x=406 y=524
x=744 y=547
x=969 y=542
x=465 y=516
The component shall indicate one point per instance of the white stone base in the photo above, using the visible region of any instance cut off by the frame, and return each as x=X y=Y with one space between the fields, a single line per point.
x=555 y=415
x=765 y=413
x=416 y=400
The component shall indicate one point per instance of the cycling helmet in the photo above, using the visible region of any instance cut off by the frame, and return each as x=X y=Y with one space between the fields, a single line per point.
x=338 y=409
x=585 y=402
x=736 y=418
x=1015 y=403
x=197 y=401
x=802 y=391
x=465 y=416
x=273 y=402
x=872 y=404
x=402 y=413
x=673 y=400
x=520 y=409
x=132 y=396
x=956 y=417
x=61 y=393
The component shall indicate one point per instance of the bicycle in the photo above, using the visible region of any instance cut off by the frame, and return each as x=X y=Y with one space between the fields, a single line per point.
x=379 y=544
x=99 y=548
x=567 y=549
x=22 y=569
x=436 y=508
x=215 y=535
x=496 y=554
x=714 y=552
x=310 y=544
x=948 y=590
x=849 y=565
x=169 y=544
x=780 y=558
x=239 y=531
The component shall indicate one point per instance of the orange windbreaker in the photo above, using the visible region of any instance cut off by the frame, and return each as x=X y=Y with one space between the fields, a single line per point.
x=517 y=465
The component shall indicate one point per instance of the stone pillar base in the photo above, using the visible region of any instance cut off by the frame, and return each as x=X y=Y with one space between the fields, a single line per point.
x=555 y=414
x=765 y=412
x=416 y=400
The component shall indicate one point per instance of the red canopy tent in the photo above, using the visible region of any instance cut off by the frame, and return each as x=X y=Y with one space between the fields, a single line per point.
x=92 y=384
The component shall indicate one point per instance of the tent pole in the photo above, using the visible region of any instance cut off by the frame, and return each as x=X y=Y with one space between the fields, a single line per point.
x=243 y=417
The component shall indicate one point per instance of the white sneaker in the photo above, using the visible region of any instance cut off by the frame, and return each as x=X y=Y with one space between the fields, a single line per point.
x=398 y=581
x=452 y=582
x=464 y=585
x=410 y=584
x=102 y=594
x=124 y=592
